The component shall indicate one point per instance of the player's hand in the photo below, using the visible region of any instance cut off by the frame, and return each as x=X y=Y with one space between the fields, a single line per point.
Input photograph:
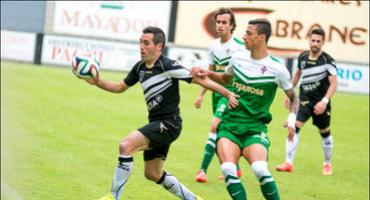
x=233 y=100
x=287 y=103
x=319 y=108
x=199 y=72
x=93 y=81
x=198 y=101
x=291 y=131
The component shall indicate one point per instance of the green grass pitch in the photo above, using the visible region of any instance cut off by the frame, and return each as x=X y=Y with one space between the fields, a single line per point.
x=59 y=140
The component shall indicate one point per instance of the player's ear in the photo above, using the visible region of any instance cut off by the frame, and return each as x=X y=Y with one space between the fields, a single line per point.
x=159 y=46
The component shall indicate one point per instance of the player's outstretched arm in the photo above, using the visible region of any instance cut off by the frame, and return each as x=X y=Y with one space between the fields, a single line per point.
x=221 y=78
x=109 y=86
x=212 y=85
x=293 y=107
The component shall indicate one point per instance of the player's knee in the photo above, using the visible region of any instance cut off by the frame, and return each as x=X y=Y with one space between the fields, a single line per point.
x=228 y=169
x=214 y=127
x=260 y=169
x=325 y=134
x=124 y=148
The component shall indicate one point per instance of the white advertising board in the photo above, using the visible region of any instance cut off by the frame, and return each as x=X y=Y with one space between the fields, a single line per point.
x=110 y=19
x=111 y=55
x=353 y=78
x=346 y=24
x=18 y=46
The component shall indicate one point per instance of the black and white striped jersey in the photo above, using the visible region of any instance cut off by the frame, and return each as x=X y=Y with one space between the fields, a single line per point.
x=314 y=77
x=160 y=85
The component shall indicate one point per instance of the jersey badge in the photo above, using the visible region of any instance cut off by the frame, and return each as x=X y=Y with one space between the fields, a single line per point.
x=263 y=69
x=303 y=64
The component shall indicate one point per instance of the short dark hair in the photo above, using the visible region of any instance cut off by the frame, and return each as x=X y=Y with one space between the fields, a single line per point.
x=263 y=26
x=318 y=31
x=222 y=11
x=158 y=35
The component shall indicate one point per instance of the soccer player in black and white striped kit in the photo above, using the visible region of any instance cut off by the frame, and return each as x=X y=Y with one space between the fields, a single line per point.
x=318 y=73
x=159 y=78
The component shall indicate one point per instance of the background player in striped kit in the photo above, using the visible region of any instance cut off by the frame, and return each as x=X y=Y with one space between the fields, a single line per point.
x=242 y=132
x=319 y=82
x=159 y=77
x=219 y=55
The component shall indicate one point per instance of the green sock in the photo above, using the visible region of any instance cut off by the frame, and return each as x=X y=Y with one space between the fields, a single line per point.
x=269 y=188
x=235 y=188
x=209 y=152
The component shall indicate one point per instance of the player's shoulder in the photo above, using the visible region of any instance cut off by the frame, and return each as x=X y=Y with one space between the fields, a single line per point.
x=274 y=61
x=137 y=66
x=327 y=57
x=277 y=65
x=304 y=55
x=237 y=42
x=214 y=44
x=240 y=56
x=167 y=63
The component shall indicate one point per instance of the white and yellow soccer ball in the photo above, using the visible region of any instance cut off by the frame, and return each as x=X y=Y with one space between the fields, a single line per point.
x=84 y=65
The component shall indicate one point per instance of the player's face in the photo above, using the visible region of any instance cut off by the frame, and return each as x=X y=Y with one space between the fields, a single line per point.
x=148 y=50
x=251 y=37
x=223 y=26
x=316 y=42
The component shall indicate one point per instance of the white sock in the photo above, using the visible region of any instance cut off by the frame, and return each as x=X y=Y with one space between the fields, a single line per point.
x=291 y=148
x=211 y=140
x=327 y=146
x=121 y=175
x=171 y=184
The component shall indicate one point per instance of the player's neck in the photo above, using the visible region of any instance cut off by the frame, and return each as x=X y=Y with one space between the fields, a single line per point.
x=225 y=38
x=314 y=56
x=150 y=64
x=259 y=52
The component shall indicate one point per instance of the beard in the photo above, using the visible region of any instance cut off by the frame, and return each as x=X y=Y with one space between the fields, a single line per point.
x=315 y=49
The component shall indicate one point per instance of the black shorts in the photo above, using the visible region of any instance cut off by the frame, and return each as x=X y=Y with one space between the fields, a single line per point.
x=161 y=134
x=306 y=111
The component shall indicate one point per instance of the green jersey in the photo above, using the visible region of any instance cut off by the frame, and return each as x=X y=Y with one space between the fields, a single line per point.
x=256 y=82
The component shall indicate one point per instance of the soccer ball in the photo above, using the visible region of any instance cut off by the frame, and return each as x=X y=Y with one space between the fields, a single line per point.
x=84 y=65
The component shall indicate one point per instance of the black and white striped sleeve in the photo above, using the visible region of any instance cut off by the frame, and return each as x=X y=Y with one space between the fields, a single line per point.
x=177 y=71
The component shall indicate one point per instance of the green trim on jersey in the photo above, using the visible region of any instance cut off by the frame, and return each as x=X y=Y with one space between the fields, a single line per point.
x=238 y=41
x=275 y=59
x=253 y=78
x=221 y=62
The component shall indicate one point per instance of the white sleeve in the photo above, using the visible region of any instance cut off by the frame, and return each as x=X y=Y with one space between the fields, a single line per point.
x=210 y=57
x=230 y=69
x=331 y=68
x=284 y=81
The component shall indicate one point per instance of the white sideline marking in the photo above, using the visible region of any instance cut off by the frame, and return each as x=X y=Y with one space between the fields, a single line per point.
x=10 y=192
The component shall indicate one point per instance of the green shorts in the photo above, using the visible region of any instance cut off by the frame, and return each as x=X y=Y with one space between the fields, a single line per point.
x=219 y=105
x=245 y=140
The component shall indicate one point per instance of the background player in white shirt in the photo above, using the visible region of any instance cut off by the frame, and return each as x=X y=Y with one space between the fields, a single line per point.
x=219 y=55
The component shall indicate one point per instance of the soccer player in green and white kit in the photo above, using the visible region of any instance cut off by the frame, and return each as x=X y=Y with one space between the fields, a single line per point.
x=220 y=52
x=255 y=77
